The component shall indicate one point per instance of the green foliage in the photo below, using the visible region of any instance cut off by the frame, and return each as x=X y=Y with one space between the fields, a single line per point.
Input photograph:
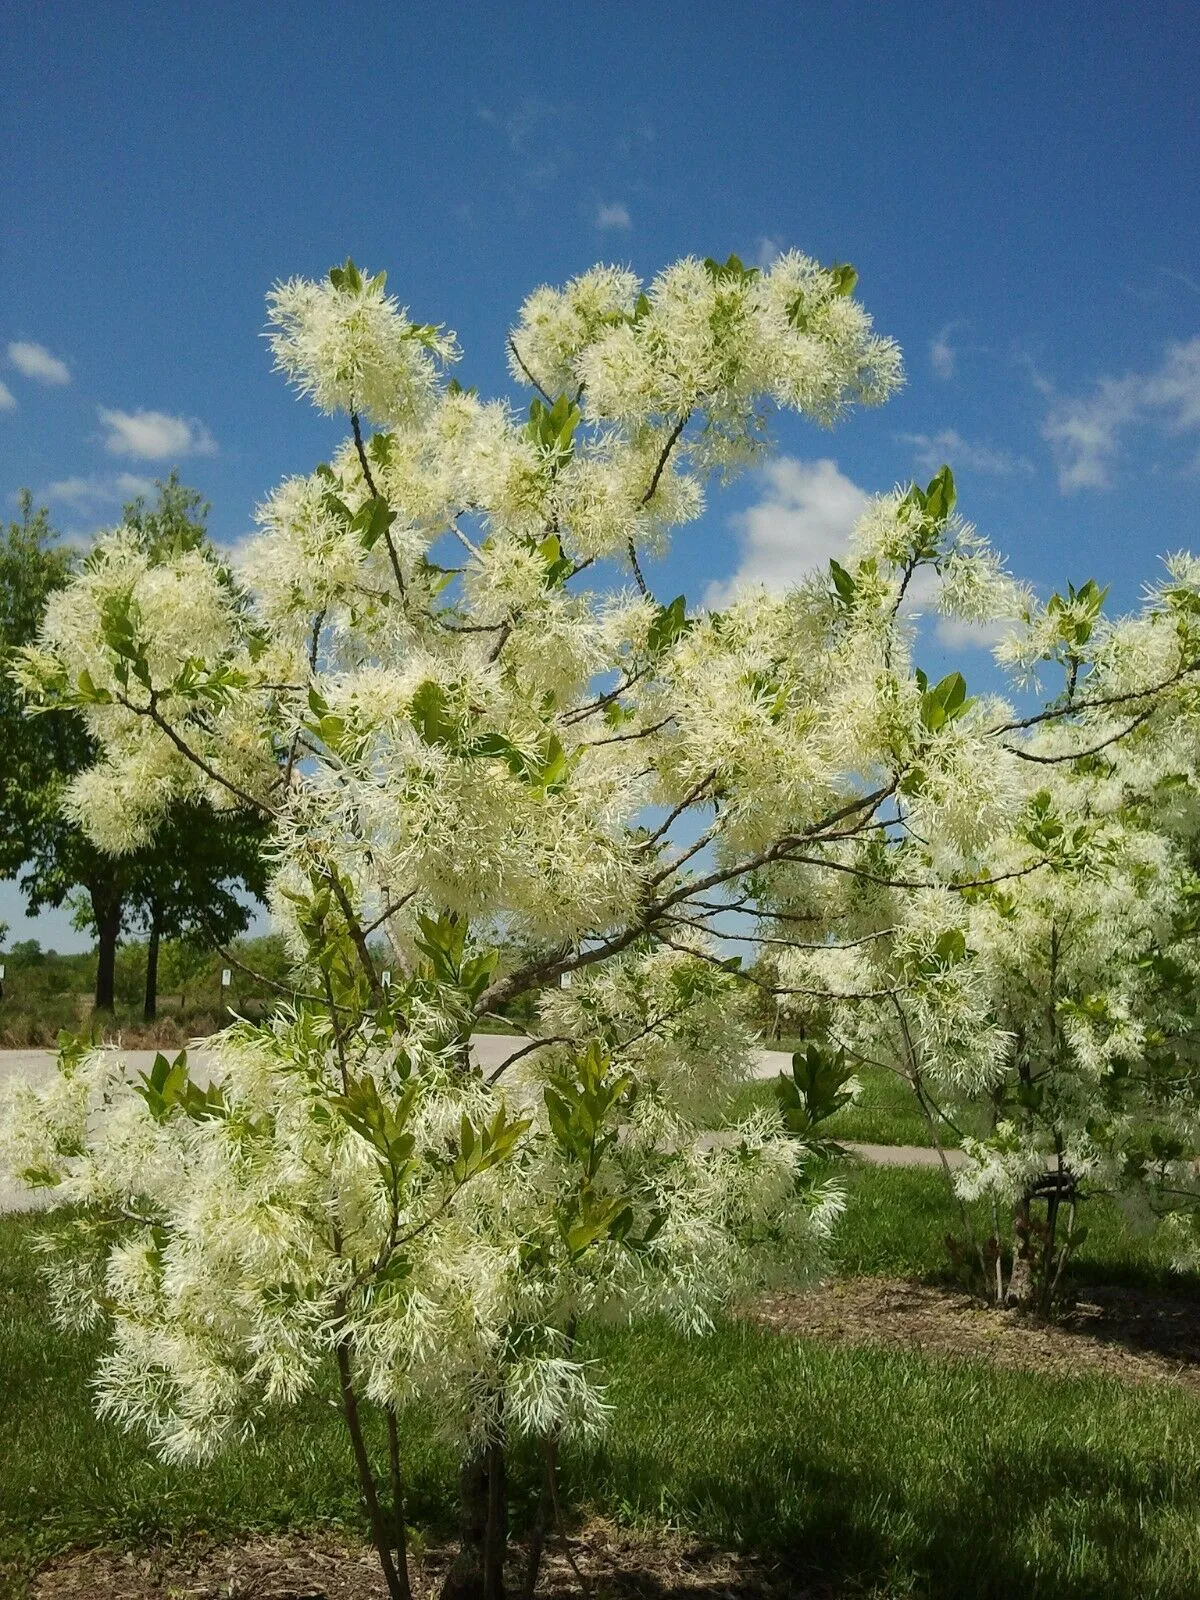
x=815 y=1091
x=945 y=702
x=443 y=942
x=167 y=1089
x=670 y=623
x=349 y=279
x=583 y=1104
x=382 y=1124
x=486 y=1146
x=1077 y=611
x=545 y=770
x=935 y=501
x=552 y=428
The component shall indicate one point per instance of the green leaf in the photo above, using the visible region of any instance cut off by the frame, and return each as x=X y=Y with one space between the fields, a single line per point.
x=558 y=565
x=950 y=946
x=844 y=278
x=552 y=428
x=89 y=693
x=730 y=270
x=670 y=623
x=843 y=583
x=430 y=715
x=347 y=277
x=815 y=1090
x=944 y=702
x=940 y=495
x=372 y=520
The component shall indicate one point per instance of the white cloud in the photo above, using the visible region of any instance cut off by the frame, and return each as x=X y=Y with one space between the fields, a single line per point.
x=614 y=216
x=943 y=357
x=153 y=435
x=7 y=401
x=35 y=361
x=956 y=634
x=804 y=518
x=932 y=449
x=766 y=252
x=1084 y=431
x=86 y=493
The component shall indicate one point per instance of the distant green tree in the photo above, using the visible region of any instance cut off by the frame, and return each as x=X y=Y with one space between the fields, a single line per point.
x=52 y=855
x=191 y=886
x=187 y=883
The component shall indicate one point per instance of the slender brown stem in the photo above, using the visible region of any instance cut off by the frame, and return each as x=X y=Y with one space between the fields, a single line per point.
x=396 y=1484
x=637 y=571
x=664 y=457
x=520 y=360
x=370 y=482
x=397 y=1585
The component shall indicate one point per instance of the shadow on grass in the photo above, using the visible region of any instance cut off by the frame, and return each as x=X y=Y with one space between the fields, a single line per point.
x=861 y=1471
x=867 y=1471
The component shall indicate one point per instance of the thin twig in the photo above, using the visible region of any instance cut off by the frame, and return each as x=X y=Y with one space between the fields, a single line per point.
x=370 y=481
x=520 y=360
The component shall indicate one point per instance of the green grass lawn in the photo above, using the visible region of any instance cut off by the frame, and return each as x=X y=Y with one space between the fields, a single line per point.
x=897 y=1219
x=886 y=1112
x=878 y=1472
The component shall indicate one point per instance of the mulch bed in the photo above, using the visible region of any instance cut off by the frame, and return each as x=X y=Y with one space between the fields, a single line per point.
x=1116 y=1332
x=617 y=1564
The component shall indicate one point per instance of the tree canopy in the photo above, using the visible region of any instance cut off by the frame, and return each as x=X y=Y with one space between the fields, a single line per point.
x=455 y=742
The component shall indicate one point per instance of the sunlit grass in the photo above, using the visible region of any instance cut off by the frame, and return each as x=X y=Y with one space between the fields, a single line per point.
x=883 y=1472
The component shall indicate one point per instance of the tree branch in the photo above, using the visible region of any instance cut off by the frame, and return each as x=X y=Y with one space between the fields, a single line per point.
x=520 y=360
x=375 y=494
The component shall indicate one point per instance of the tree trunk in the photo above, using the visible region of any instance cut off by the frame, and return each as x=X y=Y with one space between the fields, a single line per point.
x=1020 y=1283
x=106 y=909
x=150 y=1009
x=477 y=1571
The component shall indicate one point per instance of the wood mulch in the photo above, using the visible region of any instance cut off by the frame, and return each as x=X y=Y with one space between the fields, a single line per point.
x=618 y=1564
x=1116 y=1332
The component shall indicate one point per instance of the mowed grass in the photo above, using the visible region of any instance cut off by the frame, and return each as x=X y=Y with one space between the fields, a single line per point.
x=886 y=1111
x=897 y=1219
x=867 y=1471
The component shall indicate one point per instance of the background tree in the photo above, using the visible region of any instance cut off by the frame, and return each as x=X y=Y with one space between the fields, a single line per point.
x=1044 y=1008
x=52 y=855
x=193 y=885
x=188 y=881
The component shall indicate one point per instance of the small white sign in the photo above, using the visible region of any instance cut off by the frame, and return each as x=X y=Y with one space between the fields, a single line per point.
x=1 y=972
x=226 y=977
x=565 y=981
x=385 y=979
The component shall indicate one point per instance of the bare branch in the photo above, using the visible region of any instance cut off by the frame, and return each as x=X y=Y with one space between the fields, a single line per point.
x=370 y=481
x=1079 y=755
x=689 y=799
x=520 y=360
x=664 y=457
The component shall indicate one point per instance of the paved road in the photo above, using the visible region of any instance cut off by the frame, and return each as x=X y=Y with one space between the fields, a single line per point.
x=487 y=1049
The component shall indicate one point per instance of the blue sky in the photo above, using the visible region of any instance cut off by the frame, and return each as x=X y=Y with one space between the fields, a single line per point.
x=1016 y=185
